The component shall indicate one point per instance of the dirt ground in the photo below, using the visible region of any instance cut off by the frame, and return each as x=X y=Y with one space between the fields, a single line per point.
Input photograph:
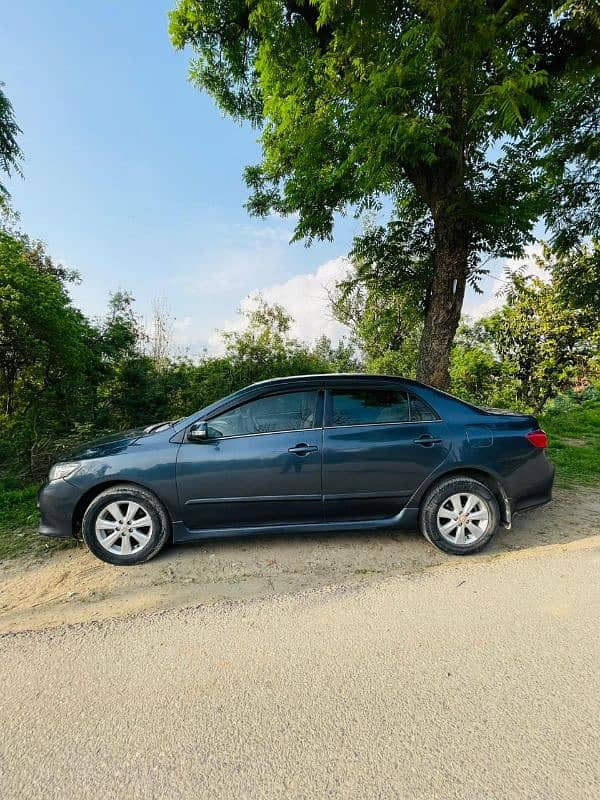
x=71 y=586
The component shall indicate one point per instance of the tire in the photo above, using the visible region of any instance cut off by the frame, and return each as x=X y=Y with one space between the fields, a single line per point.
x=459 y=515
x=110 y=531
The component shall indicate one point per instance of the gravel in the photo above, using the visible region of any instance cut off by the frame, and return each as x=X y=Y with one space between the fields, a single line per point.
x=473 y=679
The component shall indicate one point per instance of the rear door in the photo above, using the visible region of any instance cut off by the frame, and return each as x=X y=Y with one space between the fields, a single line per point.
x=379 y=444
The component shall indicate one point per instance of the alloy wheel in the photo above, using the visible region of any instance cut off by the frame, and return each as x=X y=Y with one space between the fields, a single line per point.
x=463 y=518
x=124 y=527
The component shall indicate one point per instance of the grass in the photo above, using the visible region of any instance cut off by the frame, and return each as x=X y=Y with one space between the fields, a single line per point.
x=574 y=434
x=18 y=523
x=573 y=429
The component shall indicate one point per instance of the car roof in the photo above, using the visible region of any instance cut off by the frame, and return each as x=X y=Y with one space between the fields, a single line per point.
x=336 y=377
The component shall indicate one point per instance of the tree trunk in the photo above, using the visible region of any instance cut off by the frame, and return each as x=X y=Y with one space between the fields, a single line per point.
x=9 y=380
x=444 y=304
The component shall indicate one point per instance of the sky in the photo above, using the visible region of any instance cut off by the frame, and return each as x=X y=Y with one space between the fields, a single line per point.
x=133 y=177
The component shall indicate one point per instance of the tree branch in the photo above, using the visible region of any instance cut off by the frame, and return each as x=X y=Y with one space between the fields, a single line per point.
x=310 y=14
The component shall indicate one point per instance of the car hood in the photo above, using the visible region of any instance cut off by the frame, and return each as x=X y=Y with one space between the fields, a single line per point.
x=105 y=446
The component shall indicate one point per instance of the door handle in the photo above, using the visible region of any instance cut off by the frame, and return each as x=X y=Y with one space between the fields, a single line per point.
x=426 y=440
x=303 y=449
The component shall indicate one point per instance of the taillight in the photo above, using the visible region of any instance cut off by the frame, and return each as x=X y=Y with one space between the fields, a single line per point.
x=538 y=438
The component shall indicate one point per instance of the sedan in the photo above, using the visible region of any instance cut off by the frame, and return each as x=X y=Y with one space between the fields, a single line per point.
x=315 y=453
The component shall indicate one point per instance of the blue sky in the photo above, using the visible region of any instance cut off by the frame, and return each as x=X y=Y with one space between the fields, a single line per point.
x=134 y=178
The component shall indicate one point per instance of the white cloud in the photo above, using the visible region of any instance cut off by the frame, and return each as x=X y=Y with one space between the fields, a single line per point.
x=477 y=305
x=305 y=298
x=182 y=330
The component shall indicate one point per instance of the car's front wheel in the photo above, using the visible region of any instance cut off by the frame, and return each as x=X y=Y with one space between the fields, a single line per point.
x=459 y=515
x=125 y=525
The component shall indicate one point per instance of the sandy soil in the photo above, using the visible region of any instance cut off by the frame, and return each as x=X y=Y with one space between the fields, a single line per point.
x=72 y=586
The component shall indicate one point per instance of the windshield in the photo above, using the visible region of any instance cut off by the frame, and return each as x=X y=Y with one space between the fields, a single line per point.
x=162 y=426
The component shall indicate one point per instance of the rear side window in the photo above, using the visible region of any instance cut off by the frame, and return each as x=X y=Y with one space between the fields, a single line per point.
x=377 y=407
x=420 y=411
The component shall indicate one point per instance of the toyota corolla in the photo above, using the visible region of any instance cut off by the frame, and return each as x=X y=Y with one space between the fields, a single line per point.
x=315 y=453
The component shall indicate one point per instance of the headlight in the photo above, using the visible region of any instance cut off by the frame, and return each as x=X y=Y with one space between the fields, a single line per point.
x=62 y=471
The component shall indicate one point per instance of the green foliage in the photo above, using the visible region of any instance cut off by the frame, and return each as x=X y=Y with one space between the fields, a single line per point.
x=44 y=341
x=383 y=323
x=341 y=358
x=568 y=146
x=544 y=340
x=121 y=331
x=10 y=152
x=547 y=345
x=50 y=358
x=406 y=101
x=65 y=379
x=577 y=276
x=474 y=369
x=18 y=522
x=33 y=250
x=265 y=348
x=573 y=427
x=17 y=506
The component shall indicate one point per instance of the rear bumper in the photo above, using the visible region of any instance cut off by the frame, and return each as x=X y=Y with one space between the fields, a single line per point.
x=535 y=503
x=57 y=502
x=533 y=486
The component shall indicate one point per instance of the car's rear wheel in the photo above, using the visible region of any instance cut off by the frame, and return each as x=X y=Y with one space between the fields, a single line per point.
x=459 y=515
x=125 y=525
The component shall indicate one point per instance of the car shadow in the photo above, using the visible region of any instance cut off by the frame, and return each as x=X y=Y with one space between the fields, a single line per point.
x=341 y=555
x=73 y=586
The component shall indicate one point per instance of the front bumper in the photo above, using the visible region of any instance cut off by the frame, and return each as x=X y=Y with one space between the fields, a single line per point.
x=57 y=502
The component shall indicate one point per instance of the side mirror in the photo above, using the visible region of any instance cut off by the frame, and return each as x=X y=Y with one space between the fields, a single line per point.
x=198 y=432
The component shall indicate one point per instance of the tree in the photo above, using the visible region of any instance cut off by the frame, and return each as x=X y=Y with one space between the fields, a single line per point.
x=264 y=348
x=160 y=334
x=477 y=372
x=567 y=150
x=576 y=275
x=34 y=250
x=565 y=143
x=545 y=343
x=341 y=357
x=10 y=152
x=385 y=322
x=45 y=343
x=544 y=340
x=121 y=331
x=416 y=101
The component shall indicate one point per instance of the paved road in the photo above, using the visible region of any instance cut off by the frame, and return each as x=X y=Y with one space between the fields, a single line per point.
x=474 y=680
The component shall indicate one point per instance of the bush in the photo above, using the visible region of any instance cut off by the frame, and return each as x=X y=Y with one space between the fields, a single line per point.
x=572 y=422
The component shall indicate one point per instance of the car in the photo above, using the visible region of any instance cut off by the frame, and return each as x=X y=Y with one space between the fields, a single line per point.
x=305 y=454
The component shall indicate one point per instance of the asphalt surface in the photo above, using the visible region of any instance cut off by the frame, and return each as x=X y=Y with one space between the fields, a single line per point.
x=474 y=679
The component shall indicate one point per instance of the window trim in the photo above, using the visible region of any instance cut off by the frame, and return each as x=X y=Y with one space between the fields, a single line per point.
x=319 y=416
x=328 y=411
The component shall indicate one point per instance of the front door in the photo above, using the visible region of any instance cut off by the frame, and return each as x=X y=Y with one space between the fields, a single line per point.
x=260 y=466
x=379 y=444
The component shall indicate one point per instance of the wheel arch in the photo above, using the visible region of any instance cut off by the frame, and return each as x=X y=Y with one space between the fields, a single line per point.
x=487 y=477
x=93 y=492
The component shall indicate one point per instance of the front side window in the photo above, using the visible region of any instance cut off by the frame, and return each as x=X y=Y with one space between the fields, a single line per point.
x=291 y=411
x=377 y=407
